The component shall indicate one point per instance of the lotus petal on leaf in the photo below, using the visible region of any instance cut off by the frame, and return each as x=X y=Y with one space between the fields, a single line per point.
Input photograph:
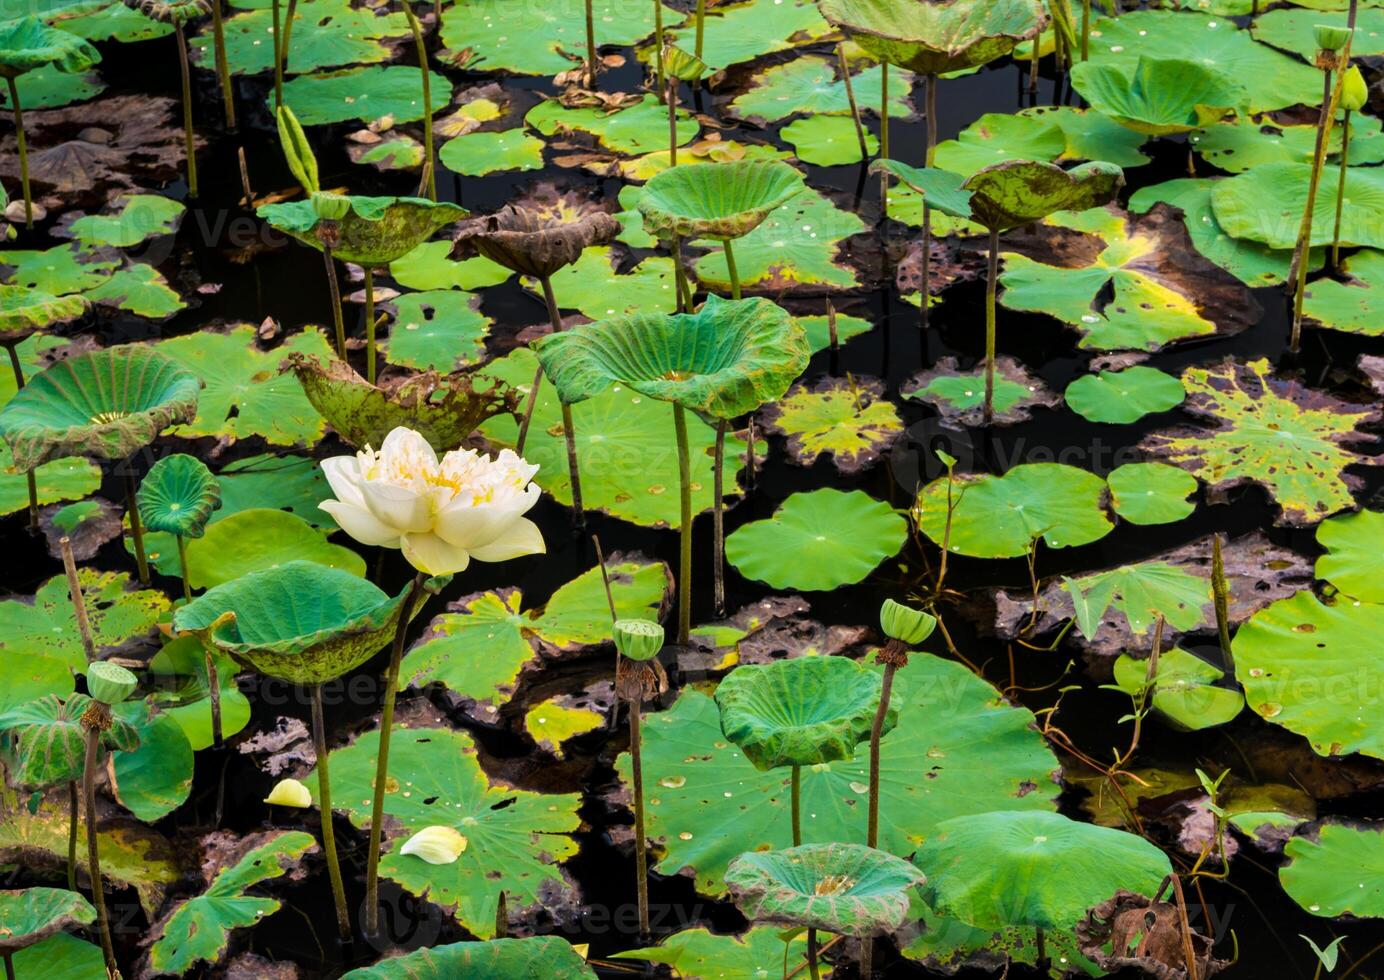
x=719 y=200
x=374 y=231
x=178 y=495
x=933 y=37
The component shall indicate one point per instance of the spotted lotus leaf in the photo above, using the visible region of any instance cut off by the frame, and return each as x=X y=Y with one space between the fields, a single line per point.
x=299 y=621
x=936 y=37
x=848 y=419
x=28 y=43
x=23 y=311
x=1263 y=429
x=107 y=403
x=801 y=711
x=847 y=889
x=375 y=230
x=1016 y=192
x=43 y=742
x=728 y=358
x=533 y=241
x=178 y=495
x=719 y=200
x=31 y=915
x=446 y=409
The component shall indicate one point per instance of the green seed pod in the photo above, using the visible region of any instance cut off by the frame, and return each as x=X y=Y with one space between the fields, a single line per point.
x=110 y=683
x=638 y=639
x=302 y=162
x=330 y=207
x=1354 y=92
x=908 y=626
x=1330 y=37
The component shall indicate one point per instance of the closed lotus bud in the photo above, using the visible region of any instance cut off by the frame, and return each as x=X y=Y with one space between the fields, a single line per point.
x=330 y=207
x=289 y=792
x=908 y=626
x=638 y=639
x=436 y=845
x=1354 y=92
x=1330 y=37
x=302 y=162
x=110 y=683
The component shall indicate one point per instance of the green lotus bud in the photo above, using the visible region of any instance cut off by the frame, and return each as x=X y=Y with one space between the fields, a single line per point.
x=302 y=162
x=290 y=792
x=907 y=625
x=682 y=65
x=330 y=207
x=110 y=683
x=1330 y=37
x=948 y=460
x=638 y=639
x=1354 y=92
x=435 y=845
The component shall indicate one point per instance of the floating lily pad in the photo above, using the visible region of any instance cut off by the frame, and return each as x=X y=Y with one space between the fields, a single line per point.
x=46 y=625
x=637 y=128
x=1261 y=429
x=478 y=154
x=61 y=955
x=363 y=94
x=1338 y=873
x=1266 y=205
x=50 y=88
x=1159 y=96
x=259 y=538
x=1001 y=516
x=591 y=285
x=515 y=838
x=1292 y=31
x=1353 y=543
x=438 y=330
x=1151 y=493
x=1052 y=133
x=552 y=723
x=140 y=289
x=69 y=478
x=154 y=778
x=699 y=952
x=1123 y=396
x=542 y=41
x=1238 y=147
x=534 y=958
x=809 y=86
x=1184 y=689
x=740 y=32
x=818 y=330
x=428 y=267
x=135 y=219
x=959 y=396
x=1141 y=592
x=59 y=270
x=818 y=540
x=325 y=34
x=827 y=141
x=31 y=677
x=1352 y=305
x=848 y=419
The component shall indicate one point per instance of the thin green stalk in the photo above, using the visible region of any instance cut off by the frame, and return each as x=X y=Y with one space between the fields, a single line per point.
x=991 y=281
x=658 y=46
x=23 y=153
x=701 y=27
x=569 y=429
x=72 y=820
x=797 y=797
x=641 y=858
x=223 y=68
x=926 y=290
x=427 y=101
x=98 y=891
x=718 y=592
x=391 y=686
x=1220 y=592
x=876 y=731
x=324 y=800
x=734 y=272
x=278 y=55
x=884 y=139
x=213 y=694
x=136 y=525
x=685 y=553
x=1303 y=250
x=369 y=325
x=182 y=566
x=337 y=319
x=189 y=140
x=812 y=970
x=845 y=70
x=590 y=46
x=684 y=288
x=528 y=410
x=1085 y=29
x=33 y=483
x=290 y=16
x=1340 y=190
x=671 y=98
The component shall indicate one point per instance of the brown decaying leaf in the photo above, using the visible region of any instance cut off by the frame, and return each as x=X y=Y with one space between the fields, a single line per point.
x=1148 y=937
x=534 y=242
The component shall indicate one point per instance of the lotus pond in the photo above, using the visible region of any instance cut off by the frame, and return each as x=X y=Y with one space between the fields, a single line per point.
x=739 y=489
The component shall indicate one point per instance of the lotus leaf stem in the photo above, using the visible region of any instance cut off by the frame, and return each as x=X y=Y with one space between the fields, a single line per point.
x=278 y=55
x=1041 y=941
x=223 y=71
x=324 y=799
x=892 y=653
x=590 y=45
x=718 y=544
x=335 y=289
x=23 y=152
x=683 y=302
x=797 y=798
x=991 y=281
x=182 y=566
x=9 y=966
x=850 y=99
x=569 y=430
x=812 y=954
x=290 y=16
x=213 y=694
x=685 y=549
x=1085 y=29
x=734 y=273
x=98 y=892
x=1340 y=190
x=925 y=290
x=136 y=525
x=391 y=685
x=74 y=594
x=1220 y=592
x=1035 y=56
x=671 y=98
x=32 y=480
x=429 y=170
x=189 y=140
x=701 y=27
x=641 y=858
x=1303 y=248
x=72 y=820
x=658 y=45
x=884 y=140
x=369 y=324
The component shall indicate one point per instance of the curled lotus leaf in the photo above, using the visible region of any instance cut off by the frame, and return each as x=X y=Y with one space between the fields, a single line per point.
x=27 y=43
x=1159 y=96
x=1032 y=868
x=727 y=359
x=31 y=915
x=24 y=311
x=446 y=409
x=719 y=200
x=43 y=742
x=801 y=711
x=533 y=241
x=847 y=889
x=107 y=403
x=933 y=38
x=374 y=231
x=532 y=958
x=1016 y=192
x=299 y=621
x=178 y=495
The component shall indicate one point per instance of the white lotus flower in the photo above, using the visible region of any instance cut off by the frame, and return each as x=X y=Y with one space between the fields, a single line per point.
x=442 y=513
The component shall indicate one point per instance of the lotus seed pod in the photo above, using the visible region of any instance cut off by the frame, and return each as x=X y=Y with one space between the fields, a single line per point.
x=330 y=207
x=289 y=792
x=638 y=639
x=1330 y=37
x=110 y=683
x=1354 y=92
x=908 y=626
x=435 y=845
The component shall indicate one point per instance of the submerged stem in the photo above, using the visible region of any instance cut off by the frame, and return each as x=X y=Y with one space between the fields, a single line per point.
x=324 y=799
x=640 y=856
x=189 y=140
x=991 y=280
x=685 y=551
x=23 y=153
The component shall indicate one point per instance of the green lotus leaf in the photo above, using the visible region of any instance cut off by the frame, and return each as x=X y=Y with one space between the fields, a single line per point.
x=1159 y=96
x=375 y=231
x=299 y=621
x=1250 y=143
x=28 y=43
x=1266 y=205
x=1310 y=667
x=182 y=690
x=1140 y=592
x=199 y=929
x=936 y=38
x=428 y=267
x=154 y=778
x=1001 y=516
x=139 y=216
x=718 y=201
x=818 y=540
x=59 y=270
x=1125 y=396
x=1032 y=868
x=140 y=289
x=446 y=409
x=1353 y=544
x=397 y=152
x=727 y=359
x=257 y=539
x=636 y=128
x=516 y=839
x=1052 y=133
x=847 y=889
x=1338 y=873
x=534 y=958
x=178 y=495
x=49 y=87
x=819 y=330
x=801 y=711
x=438 y=330
x=28 y=678
x=23 y=311
x=827 y=141
x=43 y=742
x=1151 y=493
x=941 y=190
x=1185 y=690
x=699 y=952
x=846 y=418
x=959 y=396
x=1265 y=430
x=365 y=94
x=948 y=945
x=31 y=915
x=492 y=151
x=554 y=722
x=1016 y=192
x=1294 y=31
x=1352 y=305
x=60 y=955
x=69 y=478
x=591 y=285
x=108 y=403
x=809 y=86
x=325 y=34
x=535 y=241
x=738 y=32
